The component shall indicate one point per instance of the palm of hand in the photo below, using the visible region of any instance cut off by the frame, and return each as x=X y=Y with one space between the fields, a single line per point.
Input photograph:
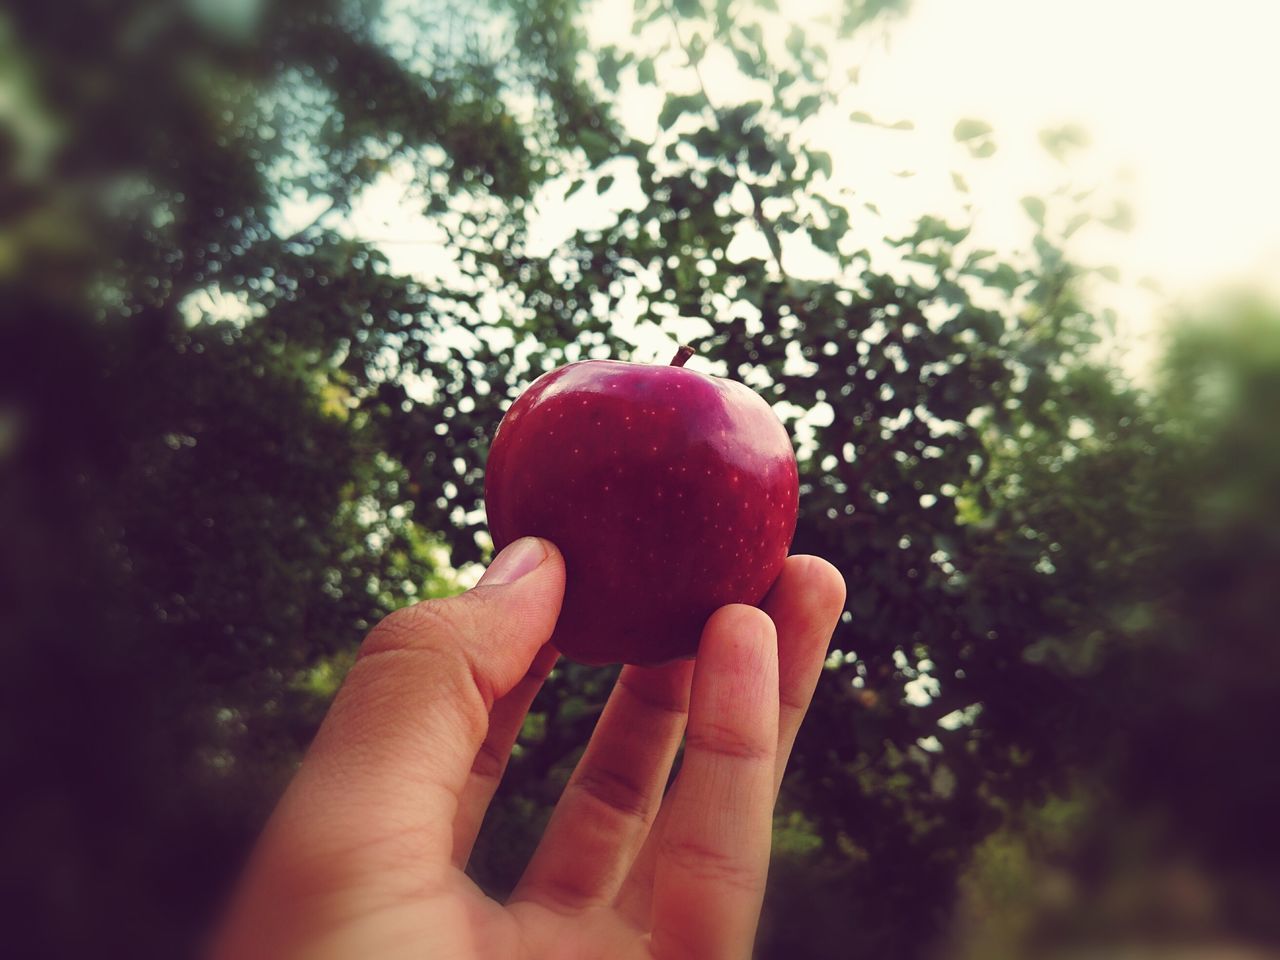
x=534 y=932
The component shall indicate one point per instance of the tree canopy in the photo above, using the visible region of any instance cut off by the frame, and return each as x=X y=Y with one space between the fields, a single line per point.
x=233 y=436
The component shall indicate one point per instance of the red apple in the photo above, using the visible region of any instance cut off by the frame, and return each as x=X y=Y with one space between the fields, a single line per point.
x=670 y=493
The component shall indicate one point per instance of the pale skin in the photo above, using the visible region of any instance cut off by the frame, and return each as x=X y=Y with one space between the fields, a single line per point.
x=366 y=854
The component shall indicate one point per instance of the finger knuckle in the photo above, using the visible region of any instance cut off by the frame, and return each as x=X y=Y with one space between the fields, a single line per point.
x=426 y=625
x=490 y=762
x=428 y=640
x=614 y=790
x=725 y=741
x=706 y=864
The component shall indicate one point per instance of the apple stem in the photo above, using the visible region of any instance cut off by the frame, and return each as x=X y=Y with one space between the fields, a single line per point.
x=683 y=354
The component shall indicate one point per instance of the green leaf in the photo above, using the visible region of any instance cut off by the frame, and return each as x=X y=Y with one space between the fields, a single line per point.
x=645 y=72
x=971 y=129
x=1036 y=391
x=861 y=116
x=1060 y=141
x=1005 y=278
x=697 y=49
x=1121 y=218
x=574 y=188
x=959 y=182
x=808 y=105
x=1035 y=209
x=820 y=162
x=976 y=136
x=759 y=157
x=935 y=228
x=989 y=326
x=676 y=106
x=796 y=42
x=1074 y=224
x=607 y=65
x=595 y=145
x=604 y=183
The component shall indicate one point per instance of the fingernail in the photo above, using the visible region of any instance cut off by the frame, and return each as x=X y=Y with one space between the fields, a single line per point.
x=515 y=560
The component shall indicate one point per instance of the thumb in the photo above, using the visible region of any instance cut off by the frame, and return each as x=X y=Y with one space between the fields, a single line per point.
x=370 y=813
x=496 y=628
x=400 y=739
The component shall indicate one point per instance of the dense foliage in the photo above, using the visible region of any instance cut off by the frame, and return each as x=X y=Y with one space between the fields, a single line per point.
x=233 y=436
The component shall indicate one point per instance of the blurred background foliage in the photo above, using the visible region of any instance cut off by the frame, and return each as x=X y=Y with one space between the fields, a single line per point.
x=232 y=436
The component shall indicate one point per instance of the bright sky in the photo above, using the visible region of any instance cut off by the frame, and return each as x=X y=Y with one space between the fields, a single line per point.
x=1178 y=99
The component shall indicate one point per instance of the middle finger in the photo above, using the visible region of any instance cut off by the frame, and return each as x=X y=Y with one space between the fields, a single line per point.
x=610 y=801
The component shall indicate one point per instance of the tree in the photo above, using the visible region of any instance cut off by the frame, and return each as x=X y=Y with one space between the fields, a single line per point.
x=237 y=436
x=201 y=498
x=1153 y=835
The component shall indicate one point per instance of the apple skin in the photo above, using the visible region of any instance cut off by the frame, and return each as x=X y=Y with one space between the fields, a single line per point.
x=669 y=492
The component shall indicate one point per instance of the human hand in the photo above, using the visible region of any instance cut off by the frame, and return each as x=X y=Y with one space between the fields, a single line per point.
x=366 y=854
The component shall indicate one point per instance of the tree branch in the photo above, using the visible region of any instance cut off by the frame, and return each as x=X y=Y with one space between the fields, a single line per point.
x=766 y=226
